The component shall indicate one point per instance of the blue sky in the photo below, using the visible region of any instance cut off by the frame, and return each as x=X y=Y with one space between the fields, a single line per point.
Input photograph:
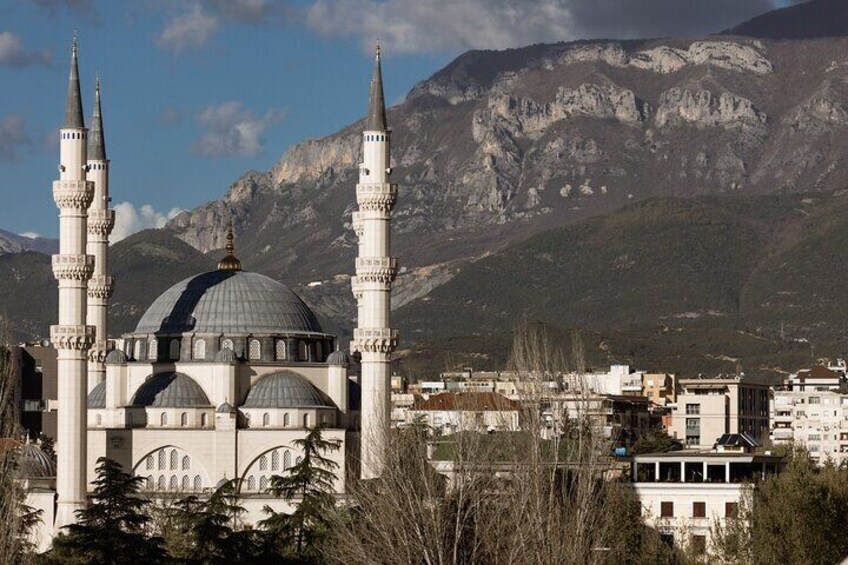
x=196 y=92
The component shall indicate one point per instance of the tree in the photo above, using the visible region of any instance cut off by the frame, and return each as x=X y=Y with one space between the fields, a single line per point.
x=312 y=481
x=656 y=441
x=112 y=527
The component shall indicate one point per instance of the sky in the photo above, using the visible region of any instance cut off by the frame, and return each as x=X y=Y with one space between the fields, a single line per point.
x=197 y=92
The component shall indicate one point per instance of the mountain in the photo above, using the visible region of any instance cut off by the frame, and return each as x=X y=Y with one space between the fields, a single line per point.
x=14 y=243
x=813 y=19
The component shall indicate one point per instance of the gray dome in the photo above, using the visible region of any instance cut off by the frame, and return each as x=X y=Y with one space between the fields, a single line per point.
x=286 y=390
x=170 y=390
x=226 y=356
x=34 y=463
x=116 y=357
x=97 y=396
x=228 y=302
x=225 y=408
x=339 y=359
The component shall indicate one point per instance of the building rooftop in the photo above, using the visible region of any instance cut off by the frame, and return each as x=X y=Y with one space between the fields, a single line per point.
x=470 y=401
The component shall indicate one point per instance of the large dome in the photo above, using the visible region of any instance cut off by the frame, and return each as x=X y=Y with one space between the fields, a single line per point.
x=228 y=302
x=170 y=390
x=286 y=390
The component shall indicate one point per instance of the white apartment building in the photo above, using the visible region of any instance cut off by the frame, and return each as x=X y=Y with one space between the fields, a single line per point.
x=708 y=408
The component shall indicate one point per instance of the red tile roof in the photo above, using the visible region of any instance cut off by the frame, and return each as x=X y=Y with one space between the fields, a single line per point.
x=467 y=401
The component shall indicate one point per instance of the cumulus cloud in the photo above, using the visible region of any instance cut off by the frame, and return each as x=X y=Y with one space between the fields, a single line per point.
x=13 y=53
x=191 y=29
x=412 y=26
x=129 y=219
x=233 y=130
x=13 y=137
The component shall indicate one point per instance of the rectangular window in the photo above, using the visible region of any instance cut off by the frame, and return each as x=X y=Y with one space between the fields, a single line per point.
x=815 y=400
x=731 y=509
x=693 y=408
x=699 y=545
x=693 y=440
x=666 y=509
x=693 y=423
x=699 y=509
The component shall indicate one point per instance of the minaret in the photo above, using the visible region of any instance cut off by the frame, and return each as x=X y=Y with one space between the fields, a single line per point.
x=372 y=286
x=101 y=220
x=72 y=337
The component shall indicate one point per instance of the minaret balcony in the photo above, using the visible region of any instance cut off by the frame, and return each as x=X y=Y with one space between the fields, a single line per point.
x=75 y=194
x=100 y=222
x=75 y=338
x=376 y=196
x=73 y=267
x=376 y=269
x=376 y=340
x=100 y=286
x=356 y=223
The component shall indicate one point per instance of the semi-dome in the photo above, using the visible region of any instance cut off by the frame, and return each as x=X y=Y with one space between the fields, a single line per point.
x=339 y=359
x=286 y=390
x=228 y=302
x=97 y=396
x=226 y=356
x=116 y=357
x=171 y=390
x=34 y=463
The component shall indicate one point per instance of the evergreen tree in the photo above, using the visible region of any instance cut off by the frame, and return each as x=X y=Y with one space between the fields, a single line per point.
x=112 y=527
x=311 y=480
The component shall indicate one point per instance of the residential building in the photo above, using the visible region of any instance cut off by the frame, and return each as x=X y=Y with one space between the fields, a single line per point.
x=479 y=411
x=815 y=419
x=34 y=372
x=659 y=388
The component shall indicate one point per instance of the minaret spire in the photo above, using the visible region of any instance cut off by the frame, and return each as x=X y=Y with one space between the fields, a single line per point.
x=73 y=107
x=376 y=104
x=97 y=143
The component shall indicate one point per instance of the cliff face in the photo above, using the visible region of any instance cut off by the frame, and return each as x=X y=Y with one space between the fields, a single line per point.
x=501 y=145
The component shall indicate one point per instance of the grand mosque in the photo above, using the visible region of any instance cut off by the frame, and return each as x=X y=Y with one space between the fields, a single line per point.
x=226 y=369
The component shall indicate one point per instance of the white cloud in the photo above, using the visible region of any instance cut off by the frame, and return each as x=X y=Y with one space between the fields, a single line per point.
x=413 y=26
x=13 y=54
x=191 y=29
x=30 y=235
x=233 y=130
x=13 y=137
x=129 y=220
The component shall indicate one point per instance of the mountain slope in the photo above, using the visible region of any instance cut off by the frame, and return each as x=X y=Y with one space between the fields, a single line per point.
x=14 y=243
x=813 y=19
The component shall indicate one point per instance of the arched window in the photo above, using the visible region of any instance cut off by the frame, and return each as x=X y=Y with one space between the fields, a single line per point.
x=263 y=463
x=200 y=349
x=263 y=484
x=266 y=419
x=227 y=344
x=280 y=350
x=255 y=349
x=286 y=459
x=251 y=483
x=163 y=419
x=161 y=482
x=319 y=350
x=138 y=350
x=198 y=484
x=174 y=350
x=153 y=350
x=173 y=482
x=204 y=420
x=173 y=459
x=275 y=461
x=306 y=420
x=149 y=482
x=186 y=463
x=183 y=419
x=185 y=483
x=148 y=463
x=286 y=420
x=161 y=459
x=247 y=419
x=303 y=353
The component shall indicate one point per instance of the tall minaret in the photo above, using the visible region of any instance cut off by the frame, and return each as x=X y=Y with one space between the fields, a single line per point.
x=101 y=220
x=372 y=286
x=72 y=337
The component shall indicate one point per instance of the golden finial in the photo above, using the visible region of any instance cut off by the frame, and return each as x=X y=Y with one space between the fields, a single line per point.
x=377 y=49
x=230 y=262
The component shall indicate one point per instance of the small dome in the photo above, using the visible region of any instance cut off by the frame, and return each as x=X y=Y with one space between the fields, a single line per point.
x=339 y=359
x=286 y=390
x=33 y=463
x=97 y=396
x=116 y=357
x=225 y=408
x=226 y=356
x=170 y=390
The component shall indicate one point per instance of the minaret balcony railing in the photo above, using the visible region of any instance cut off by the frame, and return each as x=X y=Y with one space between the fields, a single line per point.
x=357 y=224
x=100 y=222
x=101 y=286
x=75 y=338
x=376 y=269
x=73 y=267
x=75 y=194
x=376 y=196
x=376 y=340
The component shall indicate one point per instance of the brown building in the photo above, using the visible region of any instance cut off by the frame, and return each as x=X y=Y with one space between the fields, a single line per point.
x=34 y=376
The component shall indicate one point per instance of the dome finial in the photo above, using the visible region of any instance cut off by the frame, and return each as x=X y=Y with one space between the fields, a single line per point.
x=230 y=262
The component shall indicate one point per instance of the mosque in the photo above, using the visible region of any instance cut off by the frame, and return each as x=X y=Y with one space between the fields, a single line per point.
x=226 y=369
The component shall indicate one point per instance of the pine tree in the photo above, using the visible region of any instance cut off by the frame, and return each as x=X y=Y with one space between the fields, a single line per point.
x=112 y=527
x=312 y=480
